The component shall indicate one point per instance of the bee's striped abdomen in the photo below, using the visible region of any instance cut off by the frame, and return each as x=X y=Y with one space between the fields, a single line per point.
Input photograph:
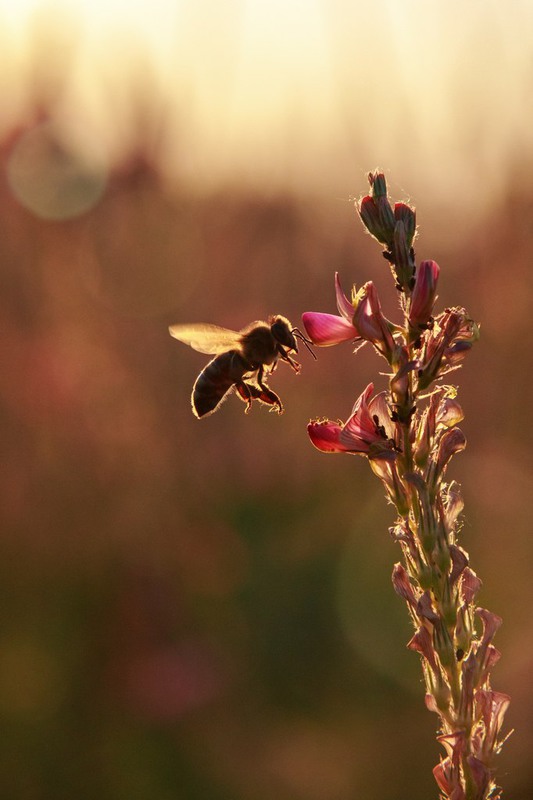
x=216 y=380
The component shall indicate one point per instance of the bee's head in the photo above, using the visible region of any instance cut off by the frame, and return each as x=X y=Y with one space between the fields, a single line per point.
x=282 y=332
x=286 y=335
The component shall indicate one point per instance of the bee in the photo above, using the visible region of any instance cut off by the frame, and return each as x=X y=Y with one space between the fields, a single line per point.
x=243 y=359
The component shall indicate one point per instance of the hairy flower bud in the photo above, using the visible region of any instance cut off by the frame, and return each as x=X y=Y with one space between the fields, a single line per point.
x=407 y=215
x=376 y=212
x=373 y=222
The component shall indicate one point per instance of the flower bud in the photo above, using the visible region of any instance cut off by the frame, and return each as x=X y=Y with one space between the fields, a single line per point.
x=372 y=220
x=378 y=184
x=376 y=212
x=407 y=215
x=423 y=296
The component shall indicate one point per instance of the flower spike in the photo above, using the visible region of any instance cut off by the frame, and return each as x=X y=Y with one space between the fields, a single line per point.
x=410 y=434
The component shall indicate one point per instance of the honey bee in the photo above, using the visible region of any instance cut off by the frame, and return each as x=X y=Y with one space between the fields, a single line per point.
x=243 y=359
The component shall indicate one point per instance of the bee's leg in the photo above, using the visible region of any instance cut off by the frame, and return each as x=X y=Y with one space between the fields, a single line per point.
x=264 y=394
x=248 y=393
x=245 y=392
x=286 y=357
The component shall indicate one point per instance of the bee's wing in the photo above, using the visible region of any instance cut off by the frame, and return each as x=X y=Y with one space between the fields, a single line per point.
x=204 y=338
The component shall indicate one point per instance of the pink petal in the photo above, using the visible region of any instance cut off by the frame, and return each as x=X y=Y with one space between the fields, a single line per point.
x=327 y=329
x=346 y=309
x=362 y=399
x=325 y=436
x=491 y=623
x=360 y=422
x=424 y=292
x=378 y=406
x=353 y=442
x=402 y=585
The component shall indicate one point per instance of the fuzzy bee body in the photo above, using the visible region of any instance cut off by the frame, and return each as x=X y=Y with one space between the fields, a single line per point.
x=242 y=361
x=216 y=380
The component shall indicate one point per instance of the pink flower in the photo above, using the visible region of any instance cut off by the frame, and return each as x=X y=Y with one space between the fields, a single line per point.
x=424 y=294
x=368 y=431
x=360 y=319
x=371 y=323
x=328 y=329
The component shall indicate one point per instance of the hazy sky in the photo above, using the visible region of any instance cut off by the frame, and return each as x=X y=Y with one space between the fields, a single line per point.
x=284 y=92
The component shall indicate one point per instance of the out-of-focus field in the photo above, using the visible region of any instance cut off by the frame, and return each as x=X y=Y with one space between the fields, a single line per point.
x=204 y=609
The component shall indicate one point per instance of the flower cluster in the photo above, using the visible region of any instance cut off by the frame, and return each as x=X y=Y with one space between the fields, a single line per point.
x=409 y=433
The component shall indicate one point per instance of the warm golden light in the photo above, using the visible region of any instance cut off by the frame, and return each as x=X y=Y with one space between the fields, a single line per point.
x=282 y=93
x=178 y=596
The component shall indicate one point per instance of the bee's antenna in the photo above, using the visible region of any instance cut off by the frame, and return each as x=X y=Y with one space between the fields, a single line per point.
x=299 y=335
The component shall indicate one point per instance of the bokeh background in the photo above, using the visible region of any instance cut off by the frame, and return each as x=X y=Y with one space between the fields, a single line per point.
x=203 y=609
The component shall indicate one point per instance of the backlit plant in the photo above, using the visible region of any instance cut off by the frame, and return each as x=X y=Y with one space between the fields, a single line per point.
x=409 y=433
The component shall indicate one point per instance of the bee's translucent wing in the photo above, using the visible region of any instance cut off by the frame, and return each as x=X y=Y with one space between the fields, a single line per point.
x=209 y=339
